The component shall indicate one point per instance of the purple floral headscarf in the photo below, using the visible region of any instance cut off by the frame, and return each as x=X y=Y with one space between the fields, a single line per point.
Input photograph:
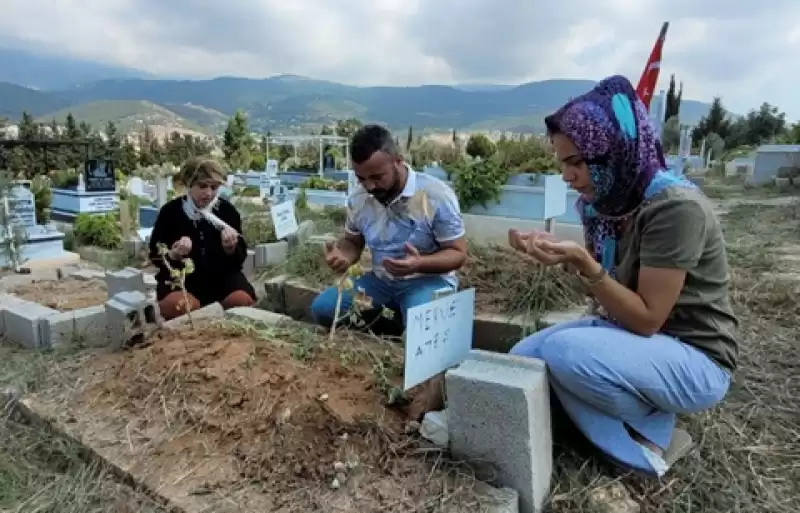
x=611 y=128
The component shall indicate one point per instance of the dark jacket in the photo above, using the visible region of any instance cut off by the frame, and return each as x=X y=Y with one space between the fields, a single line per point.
x=211 y=263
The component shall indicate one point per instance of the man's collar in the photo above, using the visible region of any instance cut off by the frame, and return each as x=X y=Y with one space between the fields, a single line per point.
x=411 y=183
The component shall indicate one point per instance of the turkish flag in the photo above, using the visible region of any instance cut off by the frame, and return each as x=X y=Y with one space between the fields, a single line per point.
x=649 y=80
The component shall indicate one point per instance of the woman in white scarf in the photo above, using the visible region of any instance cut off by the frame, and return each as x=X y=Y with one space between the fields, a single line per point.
x=201 y=226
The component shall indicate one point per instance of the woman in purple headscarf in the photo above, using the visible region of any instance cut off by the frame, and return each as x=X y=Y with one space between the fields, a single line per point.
x=662 y=339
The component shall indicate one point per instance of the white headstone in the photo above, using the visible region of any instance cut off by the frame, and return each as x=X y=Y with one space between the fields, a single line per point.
x=230 y=179
x=161 y=191
x=81 y=183
x=136 y=186
x=555 y=196
x=271 y=168
x=22 y=207
x=284 y=219
x=438 y=336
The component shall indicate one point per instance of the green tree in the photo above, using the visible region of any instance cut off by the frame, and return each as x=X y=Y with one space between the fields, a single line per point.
x=671 y=135
x=410 y=138
x=673 y=105
x=717 y=121
x=479 y=145
x=237 y=141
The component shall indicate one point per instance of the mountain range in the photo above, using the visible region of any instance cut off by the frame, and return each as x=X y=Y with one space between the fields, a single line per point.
x=49 y=87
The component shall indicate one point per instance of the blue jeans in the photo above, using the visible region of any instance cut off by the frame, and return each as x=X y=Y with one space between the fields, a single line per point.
x=608 y=380
x=397 y=295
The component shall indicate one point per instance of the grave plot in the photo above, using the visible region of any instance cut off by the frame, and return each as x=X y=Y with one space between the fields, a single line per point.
x=230 y=418
x=70 y=293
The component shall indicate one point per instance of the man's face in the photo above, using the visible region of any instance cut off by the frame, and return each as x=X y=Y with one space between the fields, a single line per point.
x=379 y=175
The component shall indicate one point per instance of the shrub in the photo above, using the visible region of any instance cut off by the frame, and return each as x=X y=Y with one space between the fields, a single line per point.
x=480 y=146
x=65 y=178
x=42 y=196
x=478 y=183
x=103 y=231
x=325 y=184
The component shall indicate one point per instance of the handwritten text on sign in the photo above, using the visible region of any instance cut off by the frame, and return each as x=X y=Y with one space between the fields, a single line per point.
x=438 y=336
x=283 y=219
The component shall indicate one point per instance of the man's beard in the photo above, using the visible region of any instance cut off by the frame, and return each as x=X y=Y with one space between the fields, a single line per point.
x=386 y=195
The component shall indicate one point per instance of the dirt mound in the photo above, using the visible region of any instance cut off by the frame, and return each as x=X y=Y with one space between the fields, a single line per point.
x=294 y=426
x=64 y=295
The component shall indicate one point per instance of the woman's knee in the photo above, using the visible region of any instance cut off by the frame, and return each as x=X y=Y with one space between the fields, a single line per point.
x=174 y=305
x=236 y=299
x=324 y=305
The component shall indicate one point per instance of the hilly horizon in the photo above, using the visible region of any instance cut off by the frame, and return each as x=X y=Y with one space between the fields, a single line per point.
x=290 y=103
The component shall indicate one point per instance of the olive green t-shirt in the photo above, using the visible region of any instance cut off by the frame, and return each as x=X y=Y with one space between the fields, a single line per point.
x=677 y=228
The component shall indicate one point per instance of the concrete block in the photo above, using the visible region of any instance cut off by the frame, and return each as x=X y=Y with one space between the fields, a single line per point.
x=273 y=253
x=22 y=323
x=249 y=266
x=150 y=281
x=7 y=300
x=434 y=428
x=256 y=315
x=133 y=247
x=498 y=413
x=128 y=315
x=83 y=327
x=298 y=298
x=274 y=299
x=127 y=279
x=322 y=239
x=208 y=312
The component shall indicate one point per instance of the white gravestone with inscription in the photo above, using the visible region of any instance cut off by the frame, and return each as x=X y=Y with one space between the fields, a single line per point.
x=284 y=219
x=271 y=169
x=438 y=336
x=22 y=207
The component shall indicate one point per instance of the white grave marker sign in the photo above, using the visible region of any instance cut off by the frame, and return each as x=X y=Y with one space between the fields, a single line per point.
x=438 y=336
x=283 y=219
x=22 y=207
x=271 y=168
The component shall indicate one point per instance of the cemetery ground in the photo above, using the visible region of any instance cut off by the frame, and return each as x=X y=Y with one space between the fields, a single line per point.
x=283 y=419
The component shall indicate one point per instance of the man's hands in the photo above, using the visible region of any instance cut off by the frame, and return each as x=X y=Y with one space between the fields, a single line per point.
x=335 y=258
x=405 y=266
x=181 y=248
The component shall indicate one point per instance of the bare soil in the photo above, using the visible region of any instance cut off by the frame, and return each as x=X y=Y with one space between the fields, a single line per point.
x=234 y=420
x=64 y=295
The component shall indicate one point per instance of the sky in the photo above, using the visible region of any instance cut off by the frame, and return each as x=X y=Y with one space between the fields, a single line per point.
x=742 y=50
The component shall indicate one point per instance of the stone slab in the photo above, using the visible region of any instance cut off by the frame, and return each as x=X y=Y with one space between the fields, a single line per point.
x=83 y=327
x=257 y=315
x=208 y=312
x=125 y=280
x=498 y=414
x=87 y=274
x=65 y=258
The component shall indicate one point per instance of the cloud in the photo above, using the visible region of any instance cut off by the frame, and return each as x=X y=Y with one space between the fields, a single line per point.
x=730 y=48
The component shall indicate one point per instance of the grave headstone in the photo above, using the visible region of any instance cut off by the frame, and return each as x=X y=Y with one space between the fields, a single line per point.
x=22 y=207
x=161 y=190
x=284 y=219
x=555 y=200
x=438 y=336
x=271 y=168
x=136 y=186
x=99 y=176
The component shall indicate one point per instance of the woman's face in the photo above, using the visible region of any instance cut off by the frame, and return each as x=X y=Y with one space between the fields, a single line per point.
x=203 y=192
x=574 y=170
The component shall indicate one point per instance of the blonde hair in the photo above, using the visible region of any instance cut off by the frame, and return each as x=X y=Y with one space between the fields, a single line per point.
x=199 y=169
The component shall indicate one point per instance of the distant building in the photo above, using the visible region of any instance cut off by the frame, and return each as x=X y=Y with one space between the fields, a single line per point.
x=772 y=158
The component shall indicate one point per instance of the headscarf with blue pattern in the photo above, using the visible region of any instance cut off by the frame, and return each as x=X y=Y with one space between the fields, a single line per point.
x=610 y=126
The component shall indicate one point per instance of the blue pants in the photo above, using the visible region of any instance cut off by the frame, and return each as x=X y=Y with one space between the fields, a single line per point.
x=608 y=380
x=397 y=295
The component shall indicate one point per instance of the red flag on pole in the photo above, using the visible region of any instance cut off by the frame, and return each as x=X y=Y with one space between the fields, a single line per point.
x=649 y=80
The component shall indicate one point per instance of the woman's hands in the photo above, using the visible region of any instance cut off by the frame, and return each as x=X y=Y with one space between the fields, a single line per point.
x=229 y=239
x=542 y=247
x=181 y=248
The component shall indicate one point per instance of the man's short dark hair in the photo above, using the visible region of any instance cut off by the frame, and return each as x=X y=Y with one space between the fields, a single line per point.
x=369 y=139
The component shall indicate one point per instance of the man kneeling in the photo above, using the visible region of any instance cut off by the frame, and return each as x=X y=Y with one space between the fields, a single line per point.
x=411 y=223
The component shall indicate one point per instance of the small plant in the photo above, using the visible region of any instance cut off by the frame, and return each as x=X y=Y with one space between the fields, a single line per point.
x=103 y=231
x=361 y=301
x=178 y=277
x=42 y=195
x=65 y=178
x=325 y=184
x=477 y=183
